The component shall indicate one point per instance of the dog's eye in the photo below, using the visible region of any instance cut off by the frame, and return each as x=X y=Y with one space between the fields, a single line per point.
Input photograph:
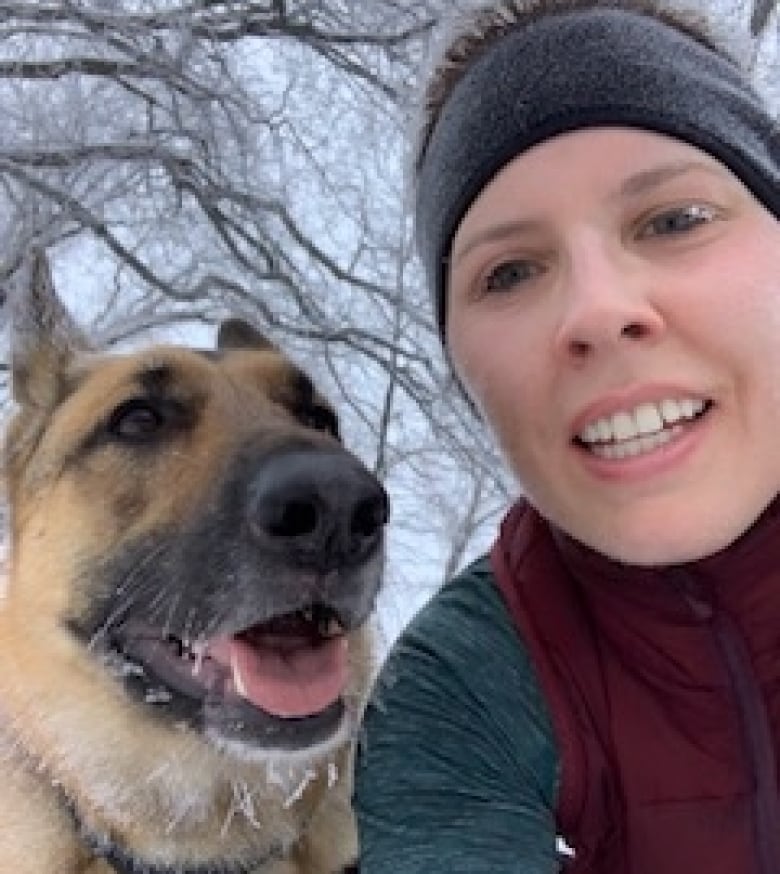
x=136 y=420
x=319 y=418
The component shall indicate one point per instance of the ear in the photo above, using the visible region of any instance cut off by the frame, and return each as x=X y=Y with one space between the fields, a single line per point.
x=238 y=334
x=44 y=337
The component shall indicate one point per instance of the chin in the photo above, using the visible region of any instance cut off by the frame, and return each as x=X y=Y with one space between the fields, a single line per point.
x=662 y=541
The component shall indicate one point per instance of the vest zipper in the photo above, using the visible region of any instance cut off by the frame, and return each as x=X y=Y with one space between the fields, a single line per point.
x=756 y=731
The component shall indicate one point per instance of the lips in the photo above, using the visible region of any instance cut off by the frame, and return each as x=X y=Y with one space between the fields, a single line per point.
x=293 y=666
x=641 y=428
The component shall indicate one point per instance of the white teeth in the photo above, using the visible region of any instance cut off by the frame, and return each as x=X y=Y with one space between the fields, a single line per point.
x=688 y=408
x=623 y=426
x=158 y=695
x=603 y=430
x=670 y=411
x=637 y=446
x=647 y=419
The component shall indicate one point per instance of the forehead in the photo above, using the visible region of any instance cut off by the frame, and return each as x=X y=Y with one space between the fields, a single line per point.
x=190 y=374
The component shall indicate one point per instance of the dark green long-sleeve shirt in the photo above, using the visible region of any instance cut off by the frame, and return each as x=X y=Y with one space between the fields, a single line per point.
x=458 y=768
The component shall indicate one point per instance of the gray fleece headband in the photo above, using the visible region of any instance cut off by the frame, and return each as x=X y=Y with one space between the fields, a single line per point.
x=583 y=69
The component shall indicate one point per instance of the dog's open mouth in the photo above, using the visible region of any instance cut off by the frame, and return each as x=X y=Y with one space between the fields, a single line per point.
x=283 y=679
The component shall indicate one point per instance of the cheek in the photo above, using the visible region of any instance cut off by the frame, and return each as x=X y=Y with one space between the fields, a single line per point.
x=503 y=377
x=498 y=349
x=743 y=327
x=756 y=323
x=480 y=366
x=739 y=295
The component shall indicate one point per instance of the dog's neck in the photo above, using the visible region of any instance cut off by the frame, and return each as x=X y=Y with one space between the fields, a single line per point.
x=123 y=862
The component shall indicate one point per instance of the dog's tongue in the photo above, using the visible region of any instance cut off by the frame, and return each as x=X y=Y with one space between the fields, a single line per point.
x=290 y=677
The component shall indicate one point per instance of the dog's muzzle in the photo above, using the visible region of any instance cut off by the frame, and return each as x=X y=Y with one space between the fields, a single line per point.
x=247 y=629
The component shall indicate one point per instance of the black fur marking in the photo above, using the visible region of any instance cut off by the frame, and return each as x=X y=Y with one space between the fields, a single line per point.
x=309 y=409
x=157 y=379
x=208 y=574
x=220 y=572
x=173 y=581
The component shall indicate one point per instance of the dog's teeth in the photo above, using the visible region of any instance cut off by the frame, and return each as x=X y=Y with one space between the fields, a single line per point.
x=328 y=625
x=131 y=669
x=157 y=695
x=308 y=614
x=238 y=680
x=198 y=657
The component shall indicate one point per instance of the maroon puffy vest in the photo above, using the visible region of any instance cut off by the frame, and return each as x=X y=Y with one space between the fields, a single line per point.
x=664 y=693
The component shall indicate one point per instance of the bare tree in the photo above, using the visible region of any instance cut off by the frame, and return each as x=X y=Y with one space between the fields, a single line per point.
x=182 y=159
x=165 y=132
x=760 y=15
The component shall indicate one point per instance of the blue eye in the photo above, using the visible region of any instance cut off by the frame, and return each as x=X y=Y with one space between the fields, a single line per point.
x=505 y=276
x=676 y=221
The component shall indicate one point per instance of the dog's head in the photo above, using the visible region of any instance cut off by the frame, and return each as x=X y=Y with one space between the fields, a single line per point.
x=194 y=554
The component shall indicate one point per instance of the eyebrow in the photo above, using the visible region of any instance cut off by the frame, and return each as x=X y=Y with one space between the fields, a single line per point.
x=632 y=186
x=639 y=183
x=496 y=232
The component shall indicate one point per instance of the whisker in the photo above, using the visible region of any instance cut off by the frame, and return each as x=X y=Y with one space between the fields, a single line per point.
x=129 y=598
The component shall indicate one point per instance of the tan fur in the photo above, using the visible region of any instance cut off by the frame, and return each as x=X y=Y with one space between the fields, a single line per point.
x=66 y=727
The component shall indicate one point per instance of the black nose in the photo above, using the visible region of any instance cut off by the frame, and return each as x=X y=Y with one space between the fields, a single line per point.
x=321 y=508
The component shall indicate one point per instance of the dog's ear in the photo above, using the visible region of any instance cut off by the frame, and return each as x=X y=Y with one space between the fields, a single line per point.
x=238 y=334
x=44 y=337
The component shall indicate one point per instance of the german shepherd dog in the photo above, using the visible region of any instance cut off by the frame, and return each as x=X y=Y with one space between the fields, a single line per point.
x=184 y=643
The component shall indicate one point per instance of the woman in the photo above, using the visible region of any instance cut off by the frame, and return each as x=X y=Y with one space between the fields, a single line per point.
x=598 y=192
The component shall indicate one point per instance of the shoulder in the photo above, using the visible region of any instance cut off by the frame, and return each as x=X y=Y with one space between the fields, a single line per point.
x=461 y=671
x=462 y=632
x=457 y=771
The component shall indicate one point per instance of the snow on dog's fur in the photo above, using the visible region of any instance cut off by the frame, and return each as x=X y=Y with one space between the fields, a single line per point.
x=184 y=649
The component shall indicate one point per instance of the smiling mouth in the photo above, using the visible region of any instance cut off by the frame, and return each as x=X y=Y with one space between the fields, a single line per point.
x=642 y=430
x=277 y=683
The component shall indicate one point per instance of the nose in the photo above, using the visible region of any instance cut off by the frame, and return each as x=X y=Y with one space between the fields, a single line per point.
x=609 y=301
x=319 y=508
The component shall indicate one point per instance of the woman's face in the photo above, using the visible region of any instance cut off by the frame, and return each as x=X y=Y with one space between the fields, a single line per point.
x=614 y=312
